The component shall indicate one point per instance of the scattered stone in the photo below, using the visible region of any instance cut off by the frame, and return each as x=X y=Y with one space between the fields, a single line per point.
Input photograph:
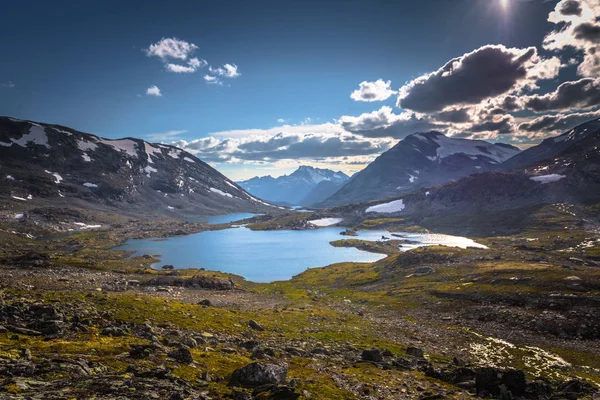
x=258 y=374
x=373 y=355
x=182 y=355
x=415 y=352
x=255 y=325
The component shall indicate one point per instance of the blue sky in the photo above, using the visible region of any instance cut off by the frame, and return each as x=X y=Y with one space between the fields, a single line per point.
x=89 y=66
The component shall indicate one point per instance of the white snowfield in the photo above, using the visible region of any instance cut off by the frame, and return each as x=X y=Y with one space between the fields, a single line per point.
x=547 y=178
x=450 y=146
x=57 y=177
x=84 y=145
x=151 y=151
x=149 y=170
x=36 y=135
x=81 y=225
x=126 y=145
x=391 y=207
x=222 y=193
x=326 y=221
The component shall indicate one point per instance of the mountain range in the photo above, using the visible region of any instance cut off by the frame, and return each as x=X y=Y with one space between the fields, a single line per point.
x=421 y=160
x=562 y=169
x=303 y=187
x=52 y=165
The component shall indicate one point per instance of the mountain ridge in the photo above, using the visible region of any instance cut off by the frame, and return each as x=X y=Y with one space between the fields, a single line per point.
x=420 y=160
x=295 y=188
x=53 y=164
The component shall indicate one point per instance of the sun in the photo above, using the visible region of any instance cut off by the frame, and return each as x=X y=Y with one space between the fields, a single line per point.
x=504 y=4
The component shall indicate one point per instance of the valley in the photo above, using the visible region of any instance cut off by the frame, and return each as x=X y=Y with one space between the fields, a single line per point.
x=366 y=300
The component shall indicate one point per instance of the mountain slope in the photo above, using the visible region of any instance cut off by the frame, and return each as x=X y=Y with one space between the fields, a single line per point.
x=54 y=165
x=294 y=188
x=569 y=174
x=321 y=192
x=420 y=160
x=552 y=147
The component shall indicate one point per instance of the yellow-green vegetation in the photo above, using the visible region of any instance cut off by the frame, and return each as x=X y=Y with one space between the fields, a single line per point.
x=387 y=247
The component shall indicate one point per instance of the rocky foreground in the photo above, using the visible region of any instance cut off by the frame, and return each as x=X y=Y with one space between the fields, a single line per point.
x=517 y=321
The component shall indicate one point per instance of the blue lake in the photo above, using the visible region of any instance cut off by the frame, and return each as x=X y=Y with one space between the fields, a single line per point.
x=266 y=256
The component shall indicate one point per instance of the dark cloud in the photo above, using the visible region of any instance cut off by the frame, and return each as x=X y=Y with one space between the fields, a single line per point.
x=588 y=32
x=558 y=122
x=282 y=147
x=454 y=116
x=569 y=95
x=511 y=103
x=384 y=123
x=571 y=7
x=484 y=73
x=502 y=126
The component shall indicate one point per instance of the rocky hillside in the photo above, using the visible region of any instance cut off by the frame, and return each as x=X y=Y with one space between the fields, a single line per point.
x=421 y=160
x=51 y=165
x=553 y=147
x=296 y=188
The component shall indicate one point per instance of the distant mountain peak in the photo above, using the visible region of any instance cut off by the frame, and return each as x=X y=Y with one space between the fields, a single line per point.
x=295 y=187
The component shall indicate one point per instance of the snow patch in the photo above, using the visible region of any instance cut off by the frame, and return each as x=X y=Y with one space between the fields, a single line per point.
x=222 y=193
x=151 y=151
x=547 y=178
x=81 y=225
x=412 y=178
x=90 y=185
x=149 y=170
x=126 y=145
x=189 y=159
x=174 y=153
x=10 y=178
x=36 y=135
x=85 y=157
x=57 y=177
x=326 y=221
x=391 y=207
x=18 y=198
x=19 y=216
x=84 y=145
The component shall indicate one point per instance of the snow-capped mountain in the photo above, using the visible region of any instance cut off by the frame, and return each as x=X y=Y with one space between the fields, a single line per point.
x=563 y=169
x=55 y=165
x=421 y=160
x=294 y=188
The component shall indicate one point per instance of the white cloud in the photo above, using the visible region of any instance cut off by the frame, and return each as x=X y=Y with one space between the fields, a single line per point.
x=164 y=136
x=281 y=120
x=153 y=91
x=171 y=48
x=213 y=80
x=180 y=68
x=226 y=71
x=192 y=66
x=577 y=28
x=373 y=91
x=9 y=84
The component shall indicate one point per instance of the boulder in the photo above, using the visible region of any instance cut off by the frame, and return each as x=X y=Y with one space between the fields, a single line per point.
x=255 y=325
x=259 y=373
x=182 y=355
x=372 y=355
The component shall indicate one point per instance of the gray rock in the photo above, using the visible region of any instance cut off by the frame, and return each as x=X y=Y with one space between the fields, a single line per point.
x=258 y=374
